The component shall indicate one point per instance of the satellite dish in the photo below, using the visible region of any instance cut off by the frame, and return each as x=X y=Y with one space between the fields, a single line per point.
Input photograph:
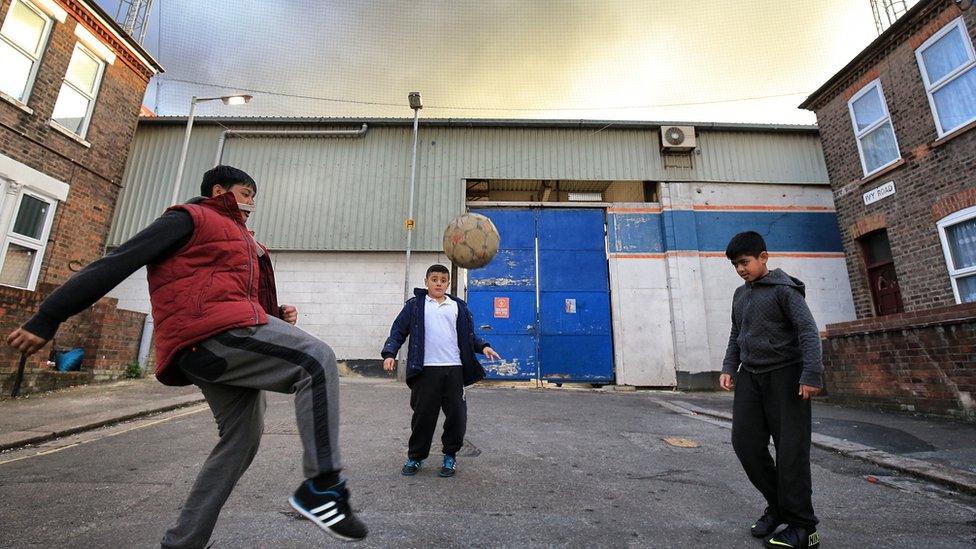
x=963 y=4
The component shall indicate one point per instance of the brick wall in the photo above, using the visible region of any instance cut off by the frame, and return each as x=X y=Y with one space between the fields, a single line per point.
x=935 y=178
x=81 y=223
x=922 y=361
x=109 y=336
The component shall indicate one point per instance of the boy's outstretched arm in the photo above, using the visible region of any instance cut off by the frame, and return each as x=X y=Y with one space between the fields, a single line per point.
x=811 y=378
x=162 y=238
x=398 y=334
x=730 y=365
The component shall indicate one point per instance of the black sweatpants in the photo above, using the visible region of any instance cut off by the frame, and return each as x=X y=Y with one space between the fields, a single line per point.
x=437 y=388
x=768 y=404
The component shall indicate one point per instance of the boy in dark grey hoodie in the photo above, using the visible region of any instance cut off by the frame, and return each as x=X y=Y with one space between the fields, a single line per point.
x=775 y=340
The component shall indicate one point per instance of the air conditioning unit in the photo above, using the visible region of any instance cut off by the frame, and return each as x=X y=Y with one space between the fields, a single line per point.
x=677 y=138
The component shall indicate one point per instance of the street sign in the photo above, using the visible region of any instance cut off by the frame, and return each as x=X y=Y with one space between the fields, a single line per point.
x=878 y=193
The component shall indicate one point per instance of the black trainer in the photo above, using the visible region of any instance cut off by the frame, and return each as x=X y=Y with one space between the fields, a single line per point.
x=766 y=524
x=449 y=467
x=411 y=467
x=329 y=510
x=794 y=537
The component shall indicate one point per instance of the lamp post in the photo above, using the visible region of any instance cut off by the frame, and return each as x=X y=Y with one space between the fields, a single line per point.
x=416 y=104
x=227 y=100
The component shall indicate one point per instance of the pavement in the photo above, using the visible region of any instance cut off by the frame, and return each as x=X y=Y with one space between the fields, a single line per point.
x=540 y=468
x=39 y=417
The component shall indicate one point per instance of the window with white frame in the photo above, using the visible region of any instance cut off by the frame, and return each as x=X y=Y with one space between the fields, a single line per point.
x=876 y=141
x=28 y=224
x=958 y=234
x=948 y=66
x=23 y=37
x=76 y=100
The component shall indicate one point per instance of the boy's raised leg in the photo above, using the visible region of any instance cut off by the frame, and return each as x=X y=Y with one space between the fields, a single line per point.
x=282 y=358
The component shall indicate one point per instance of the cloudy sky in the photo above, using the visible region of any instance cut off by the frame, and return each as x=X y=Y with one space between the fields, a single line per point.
x=661 y=60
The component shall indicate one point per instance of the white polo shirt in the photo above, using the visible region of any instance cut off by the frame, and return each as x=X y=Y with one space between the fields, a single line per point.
x=440 y=333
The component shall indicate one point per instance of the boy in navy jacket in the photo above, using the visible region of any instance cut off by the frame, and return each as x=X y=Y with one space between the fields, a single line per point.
x=440 y=363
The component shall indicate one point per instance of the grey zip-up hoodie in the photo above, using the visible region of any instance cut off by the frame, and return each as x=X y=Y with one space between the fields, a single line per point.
x=772 y=328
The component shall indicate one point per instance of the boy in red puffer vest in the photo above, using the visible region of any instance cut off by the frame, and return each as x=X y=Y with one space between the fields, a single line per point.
x=218 y=325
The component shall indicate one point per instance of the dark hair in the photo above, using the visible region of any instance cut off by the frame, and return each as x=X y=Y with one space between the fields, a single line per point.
x=226 y=177
x=748 y=243
x=437 y=269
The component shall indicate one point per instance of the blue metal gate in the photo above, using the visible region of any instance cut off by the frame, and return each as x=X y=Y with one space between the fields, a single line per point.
x=544 y=301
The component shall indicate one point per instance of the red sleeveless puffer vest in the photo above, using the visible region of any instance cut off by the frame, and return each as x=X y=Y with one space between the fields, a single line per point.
x=211 y=285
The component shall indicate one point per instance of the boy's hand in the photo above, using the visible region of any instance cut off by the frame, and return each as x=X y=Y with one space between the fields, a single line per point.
x=389 y=364
x=25 y=342
x=490 y=353
x=289 y=313
x=807 y=391
x=725 y=380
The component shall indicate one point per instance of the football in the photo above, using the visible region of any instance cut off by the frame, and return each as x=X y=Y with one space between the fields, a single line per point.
x=471 y=241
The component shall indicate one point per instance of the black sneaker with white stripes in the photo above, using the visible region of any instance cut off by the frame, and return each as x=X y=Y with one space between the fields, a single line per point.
x=330 y=510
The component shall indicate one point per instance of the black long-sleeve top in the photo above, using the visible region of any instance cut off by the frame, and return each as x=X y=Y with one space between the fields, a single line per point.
x=161 y=239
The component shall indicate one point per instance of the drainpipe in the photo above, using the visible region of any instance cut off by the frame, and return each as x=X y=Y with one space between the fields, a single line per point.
x=224 y=135
x=145 y=342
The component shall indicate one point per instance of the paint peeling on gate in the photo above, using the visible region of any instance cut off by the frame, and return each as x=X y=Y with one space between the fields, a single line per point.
x=503 y=367
x=500 y=281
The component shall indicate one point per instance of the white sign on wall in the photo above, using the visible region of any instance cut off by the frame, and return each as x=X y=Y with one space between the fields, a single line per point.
x=879 y=193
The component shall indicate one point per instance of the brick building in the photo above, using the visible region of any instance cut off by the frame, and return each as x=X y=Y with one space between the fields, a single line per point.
x=70 y=94
x=896 y=125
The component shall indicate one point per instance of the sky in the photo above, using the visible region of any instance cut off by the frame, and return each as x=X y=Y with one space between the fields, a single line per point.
x=748 y=61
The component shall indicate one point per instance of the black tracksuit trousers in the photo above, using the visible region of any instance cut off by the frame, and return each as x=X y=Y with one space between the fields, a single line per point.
x=437 y=388
x=768 y=404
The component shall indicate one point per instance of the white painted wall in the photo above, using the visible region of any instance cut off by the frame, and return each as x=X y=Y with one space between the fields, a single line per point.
x=347 y=299
x=642 y=332
x=827 y=286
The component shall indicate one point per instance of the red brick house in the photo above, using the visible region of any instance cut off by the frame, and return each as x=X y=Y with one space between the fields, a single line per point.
x=70 y=92
x=897 y=130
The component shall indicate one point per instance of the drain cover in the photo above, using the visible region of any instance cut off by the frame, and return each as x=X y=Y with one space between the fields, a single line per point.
x=682 y=442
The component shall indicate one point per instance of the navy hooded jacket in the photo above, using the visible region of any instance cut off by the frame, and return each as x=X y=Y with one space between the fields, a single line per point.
x=410 y=322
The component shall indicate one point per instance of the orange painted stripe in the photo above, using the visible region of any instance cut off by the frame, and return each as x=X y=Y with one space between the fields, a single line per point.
x=634 y=210
x=762 y=208
x=807 y=255
x=637 y=256
x=799 y=255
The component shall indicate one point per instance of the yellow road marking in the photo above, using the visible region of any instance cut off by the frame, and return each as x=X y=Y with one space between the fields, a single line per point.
x=195 y=410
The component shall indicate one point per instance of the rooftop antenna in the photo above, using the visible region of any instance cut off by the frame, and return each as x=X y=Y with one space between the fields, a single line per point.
x=136 y=18
x=887 y=12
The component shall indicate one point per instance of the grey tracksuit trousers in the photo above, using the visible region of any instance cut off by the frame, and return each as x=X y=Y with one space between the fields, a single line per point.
x=232 y=369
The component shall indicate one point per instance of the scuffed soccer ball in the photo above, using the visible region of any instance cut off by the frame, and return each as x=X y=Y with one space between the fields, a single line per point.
x=471 y=240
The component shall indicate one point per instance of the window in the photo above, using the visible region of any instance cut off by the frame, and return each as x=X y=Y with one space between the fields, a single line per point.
x=73 y=109
x=947 y=64
x=24 y=243
x=958 y=234
x=882 y=279
x=875 y=135
x=23 y=36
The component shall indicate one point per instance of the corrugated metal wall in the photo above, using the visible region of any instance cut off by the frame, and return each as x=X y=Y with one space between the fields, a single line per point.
x=351 y=193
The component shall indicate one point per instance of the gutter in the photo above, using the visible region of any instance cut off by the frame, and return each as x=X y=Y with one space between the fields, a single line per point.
x=228 y=133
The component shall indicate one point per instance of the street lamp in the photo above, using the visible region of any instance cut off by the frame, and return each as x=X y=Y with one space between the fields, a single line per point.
x=226 y=100
x=416 y=104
